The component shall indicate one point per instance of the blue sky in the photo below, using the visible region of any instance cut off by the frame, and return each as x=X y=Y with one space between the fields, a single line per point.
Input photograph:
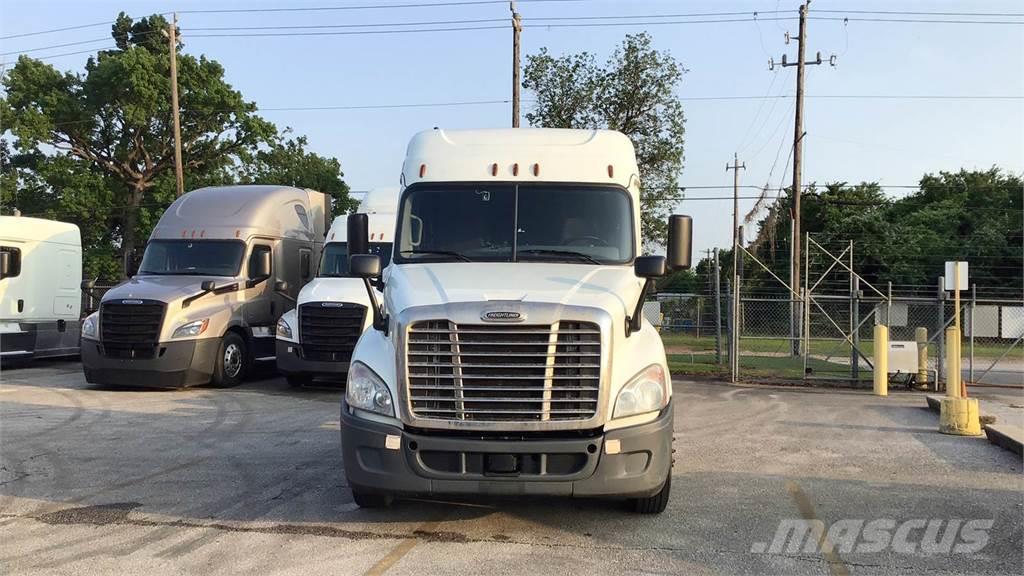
x=893 y=141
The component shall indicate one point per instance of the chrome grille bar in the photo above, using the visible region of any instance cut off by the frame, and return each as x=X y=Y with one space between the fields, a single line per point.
x=507 y=373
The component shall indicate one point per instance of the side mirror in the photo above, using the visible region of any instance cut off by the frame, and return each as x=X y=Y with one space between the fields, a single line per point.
x=87 y=285
x=208 y=286
x=649 y=266
x=358 y=234
x=261 y=266
x=367 y=266
x=364 y=265
x=680 y=242
x=5 y=264
x=281 y=286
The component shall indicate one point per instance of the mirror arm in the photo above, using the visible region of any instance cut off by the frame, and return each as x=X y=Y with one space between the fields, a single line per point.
x=219 y=290
x=634 y=322
x=380 y=320
x=286 y=296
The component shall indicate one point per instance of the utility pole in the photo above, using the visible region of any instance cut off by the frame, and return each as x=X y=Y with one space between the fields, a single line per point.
x=172 y=36
x=516 y=29
x=734 y=303
x=798 y=136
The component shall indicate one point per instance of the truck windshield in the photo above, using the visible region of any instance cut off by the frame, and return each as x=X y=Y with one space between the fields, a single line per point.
x=193 y=257
x=509 y=223
x=335 y=260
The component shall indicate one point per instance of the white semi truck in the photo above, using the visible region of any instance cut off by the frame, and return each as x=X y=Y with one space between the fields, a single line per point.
x=509 y=354
x=40 y=271
x=317 y=337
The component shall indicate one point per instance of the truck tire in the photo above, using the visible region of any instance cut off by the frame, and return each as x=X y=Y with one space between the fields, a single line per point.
x=231 y=362
x=371 y=499
x=299 y=380
x=653 y=504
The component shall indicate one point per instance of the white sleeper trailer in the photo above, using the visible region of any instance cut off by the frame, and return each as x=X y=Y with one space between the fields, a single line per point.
x=40 y=302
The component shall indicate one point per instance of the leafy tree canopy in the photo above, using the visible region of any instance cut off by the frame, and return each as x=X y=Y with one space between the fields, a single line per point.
x=634 y=93
x=97 y=148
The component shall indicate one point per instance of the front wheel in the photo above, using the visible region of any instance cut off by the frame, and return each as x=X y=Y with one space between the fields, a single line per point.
x=231 y=362
x=653 y=504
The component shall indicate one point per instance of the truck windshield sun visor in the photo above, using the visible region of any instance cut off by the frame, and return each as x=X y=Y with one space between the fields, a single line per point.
x=543 y=222
x=193 y=257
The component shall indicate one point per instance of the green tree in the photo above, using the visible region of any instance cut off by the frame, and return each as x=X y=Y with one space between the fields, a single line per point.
x=634 y=93
x=288 y=162
x=116 y=118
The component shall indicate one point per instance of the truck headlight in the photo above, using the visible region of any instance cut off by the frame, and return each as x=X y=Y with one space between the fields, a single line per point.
x=366 y=391
x=646 y=392
x=283 y=329
x=191 y=329
x=91 y=325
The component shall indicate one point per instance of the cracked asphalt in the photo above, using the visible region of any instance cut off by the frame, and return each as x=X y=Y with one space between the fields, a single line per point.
x=250 y=480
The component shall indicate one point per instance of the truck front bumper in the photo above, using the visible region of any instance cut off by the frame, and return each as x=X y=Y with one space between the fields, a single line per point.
x=174 y=365
x=290 y=362
x=559 y=466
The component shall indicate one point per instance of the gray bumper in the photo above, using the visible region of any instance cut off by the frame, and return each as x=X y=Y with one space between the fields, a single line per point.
x=289 y=362
x=175 y=365
x=562 y=466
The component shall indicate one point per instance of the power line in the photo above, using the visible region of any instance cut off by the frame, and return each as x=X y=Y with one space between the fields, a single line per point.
x=906 y=13
x=342 y=8
x=917 y=20
x=348 y=32
x=326 y=26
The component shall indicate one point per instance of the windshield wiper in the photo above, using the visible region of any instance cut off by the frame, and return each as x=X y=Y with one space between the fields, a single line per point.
x=456 y=255
x=577 y=255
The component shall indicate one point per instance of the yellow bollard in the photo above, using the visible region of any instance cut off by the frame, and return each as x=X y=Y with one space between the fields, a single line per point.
x=881 y=360
x=953 y=362
x=921 y=336
x=959 y=416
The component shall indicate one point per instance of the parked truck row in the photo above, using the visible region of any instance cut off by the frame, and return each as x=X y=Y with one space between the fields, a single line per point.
x=486 y=316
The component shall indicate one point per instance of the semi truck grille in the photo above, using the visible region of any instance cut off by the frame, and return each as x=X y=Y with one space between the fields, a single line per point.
x=130 y=330
x=329 y=333
x=490 y=373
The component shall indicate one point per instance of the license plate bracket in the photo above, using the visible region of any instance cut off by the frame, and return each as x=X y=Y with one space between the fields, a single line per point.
x=501 y=465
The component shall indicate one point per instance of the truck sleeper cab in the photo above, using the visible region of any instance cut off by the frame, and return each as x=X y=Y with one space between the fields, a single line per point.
x=317 y=337
x=40 y=270
x=509 y=354
x=204 y=304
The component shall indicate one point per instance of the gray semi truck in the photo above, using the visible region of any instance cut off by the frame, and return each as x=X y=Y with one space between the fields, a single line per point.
x=221 y=266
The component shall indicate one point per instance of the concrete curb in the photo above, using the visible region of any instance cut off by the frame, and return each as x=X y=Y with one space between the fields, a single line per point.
x=1006 y=436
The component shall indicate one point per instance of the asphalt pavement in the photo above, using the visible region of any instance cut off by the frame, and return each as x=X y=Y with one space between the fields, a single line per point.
x=250 y=480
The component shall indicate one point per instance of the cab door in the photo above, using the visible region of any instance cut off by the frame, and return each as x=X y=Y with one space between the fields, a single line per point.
x=259 y=291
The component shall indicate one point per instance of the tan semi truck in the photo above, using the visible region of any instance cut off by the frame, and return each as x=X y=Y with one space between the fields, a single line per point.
x=221 y=266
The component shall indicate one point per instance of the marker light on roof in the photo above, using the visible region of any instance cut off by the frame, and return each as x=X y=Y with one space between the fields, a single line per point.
x=611 y=171
x=423 y=170
x=536 y=169
x=515 y=169
x=494 y=169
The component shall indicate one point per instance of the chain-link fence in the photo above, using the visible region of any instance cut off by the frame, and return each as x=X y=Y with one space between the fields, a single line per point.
x=829 y=333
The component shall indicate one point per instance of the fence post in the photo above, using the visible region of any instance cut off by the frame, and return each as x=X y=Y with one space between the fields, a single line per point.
x=728 y=326
x=855 y=327
x=940 y=359
x=881 y=356
x=718 y=311
x=970 y=326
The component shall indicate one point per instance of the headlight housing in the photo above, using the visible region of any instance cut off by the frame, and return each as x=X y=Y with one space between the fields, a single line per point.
x=192 y=329
x=646 y=392
x=283 y=329
x=366 y=391
x=91 y=325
